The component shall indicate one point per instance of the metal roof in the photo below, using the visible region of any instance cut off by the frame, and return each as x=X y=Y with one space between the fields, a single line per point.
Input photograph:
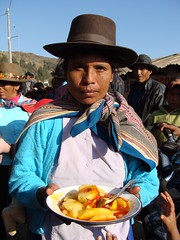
x=162 y=62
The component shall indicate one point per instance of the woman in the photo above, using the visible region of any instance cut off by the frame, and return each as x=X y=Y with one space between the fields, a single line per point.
x=87 y=136
x=12 y=122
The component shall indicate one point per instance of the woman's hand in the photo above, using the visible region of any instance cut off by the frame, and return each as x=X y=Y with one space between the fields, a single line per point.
x=43 y=192
x=135 y=191
x=109 y=236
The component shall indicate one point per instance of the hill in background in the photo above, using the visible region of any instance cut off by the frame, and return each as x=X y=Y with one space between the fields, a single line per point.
x=41 y=67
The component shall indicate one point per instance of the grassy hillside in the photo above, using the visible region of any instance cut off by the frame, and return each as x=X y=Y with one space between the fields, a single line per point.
x=40 y=66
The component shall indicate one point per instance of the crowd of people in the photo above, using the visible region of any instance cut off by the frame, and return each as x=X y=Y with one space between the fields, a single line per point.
x=83 y=130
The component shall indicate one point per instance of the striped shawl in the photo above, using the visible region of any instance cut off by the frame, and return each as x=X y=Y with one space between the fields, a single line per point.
x=110 y=118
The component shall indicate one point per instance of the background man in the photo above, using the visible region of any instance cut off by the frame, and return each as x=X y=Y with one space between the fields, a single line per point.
x=146 y=94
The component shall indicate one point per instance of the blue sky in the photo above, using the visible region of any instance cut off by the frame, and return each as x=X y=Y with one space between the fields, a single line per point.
x=147 y=26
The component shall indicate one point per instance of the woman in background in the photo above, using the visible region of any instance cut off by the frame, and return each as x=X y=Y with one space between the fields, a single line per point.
x=12 y=122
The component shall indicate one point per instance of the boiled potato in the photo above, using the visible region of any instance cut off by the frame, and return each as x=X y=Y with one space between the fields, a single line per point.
x=101 y=192
x=73 y=195
x=72 y=204
x=73 y=213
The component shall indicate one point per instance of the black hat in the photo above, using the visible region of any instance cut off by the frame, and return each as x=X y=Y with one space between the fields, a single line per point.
x=146 y=61
x=93 y=32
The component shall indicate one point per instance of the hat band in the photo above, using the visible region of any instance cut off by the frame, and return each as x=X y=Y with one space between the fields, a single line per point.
x=96 y=38
x=10 y=76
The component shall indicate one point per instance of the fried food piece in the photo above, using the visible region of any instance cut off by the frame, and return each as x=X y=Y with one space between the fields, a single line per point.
x=91 y=212
x=88 y=195
x=114 y=205
x=103 y=217
x=121 y=202
x=82 y=205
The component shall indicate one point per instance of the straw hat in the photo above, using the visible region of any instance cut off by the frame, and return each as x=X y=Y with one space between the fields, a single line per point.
x=11 y=72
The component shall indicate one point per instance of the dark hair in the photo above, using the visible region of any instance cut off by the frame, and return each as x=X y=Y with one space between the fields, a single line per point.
x=29 y=74
x=168 y=87
x=38 y=85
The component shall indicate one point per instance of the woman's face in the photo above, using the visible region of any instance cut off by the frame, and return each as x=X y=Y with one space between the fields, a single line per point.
x=8 y=90
x=173 y=98
x=88 y=77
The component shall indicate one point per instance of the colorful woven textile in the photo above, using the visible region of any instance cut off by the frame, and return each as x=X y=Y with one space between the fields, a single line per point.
x=12 y=104
x=111 y=118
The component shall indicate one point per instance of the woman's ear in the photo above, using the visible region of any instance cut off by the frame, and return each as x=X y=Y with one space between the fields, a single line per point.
x=17 y=87
x=112 y=77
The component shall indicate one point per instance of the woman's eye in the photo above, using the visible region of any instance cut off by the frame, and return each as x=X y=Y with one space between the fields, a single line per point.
x=100 y=68
x=78 y=67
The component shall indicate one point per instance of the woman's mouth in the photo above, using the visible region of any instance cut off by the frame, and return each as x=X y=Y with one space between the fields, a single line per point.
x=88 y=92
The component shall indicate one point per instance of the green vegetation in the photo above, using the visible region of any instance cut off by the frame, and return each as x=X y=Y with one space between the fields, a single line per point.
x=41 y=67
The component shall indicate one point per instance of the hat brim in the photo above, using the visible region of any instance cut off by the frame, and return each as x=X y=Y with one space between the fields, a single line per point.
x=123 y=57
x=13 y=80
x=149 y=66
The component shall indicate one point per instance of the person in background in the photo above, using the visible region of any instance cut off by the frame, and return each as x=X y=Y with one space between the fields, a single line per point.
x=85 y=137
x=37 y=92
x=168 y=217
x=174 y=129
x=12 y=122
x=117 y=84
x=146 y=94
x=59 y=81
x=167 y=116
x=176 y=81
x=40 y=90
x=30 y=81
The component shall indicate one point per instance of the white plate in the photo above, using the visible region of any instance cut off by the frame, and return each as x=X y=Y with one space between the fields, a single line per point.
x=55 y=198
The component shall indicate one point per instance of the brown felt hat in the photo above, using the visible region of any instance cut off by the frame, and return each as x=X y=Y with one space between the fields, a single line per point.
x=93 y=32
x=11 y=72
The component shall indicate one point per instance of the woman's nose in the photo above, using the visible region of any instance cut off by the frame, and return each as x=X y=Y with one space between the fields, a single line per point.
x=88 y=76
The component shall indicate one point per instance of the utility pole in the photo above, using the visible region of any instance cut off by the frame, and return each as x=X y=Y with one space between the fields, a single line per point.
x=9 y=36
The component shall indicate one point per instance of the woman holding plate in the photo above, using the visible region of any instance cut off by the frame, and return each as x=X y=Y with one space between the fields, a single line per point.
x=86 y=137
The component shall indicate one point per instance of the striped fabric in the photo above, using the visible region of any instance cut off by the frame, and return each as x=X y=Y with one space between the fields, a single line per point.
x=112 y=115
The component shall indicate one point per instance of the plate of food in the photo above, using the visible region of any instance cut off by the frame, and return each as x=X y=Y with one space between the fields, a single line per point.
x=80 y=204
